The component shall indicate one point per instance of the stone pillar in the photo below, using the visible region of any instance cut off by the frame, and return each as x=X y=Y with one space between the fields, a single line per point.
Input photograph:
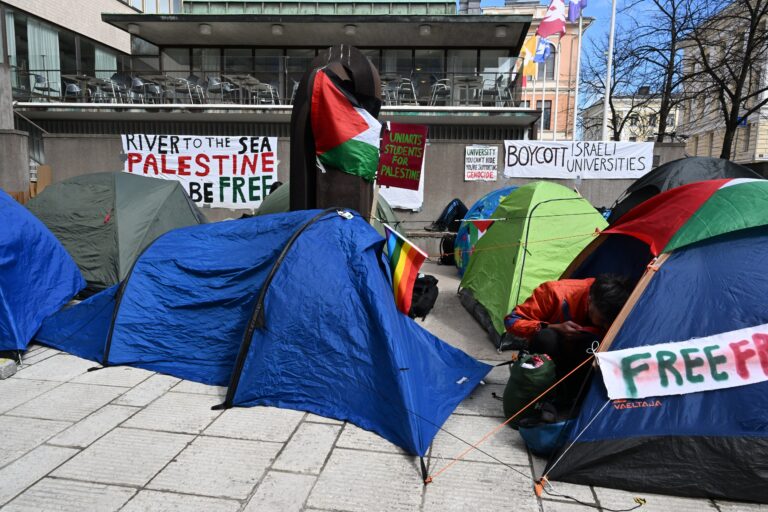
x=14 y=152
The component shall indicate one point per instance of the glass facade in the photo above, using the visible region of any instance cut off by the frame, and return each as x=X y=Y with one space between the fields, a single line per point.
x=51 y=62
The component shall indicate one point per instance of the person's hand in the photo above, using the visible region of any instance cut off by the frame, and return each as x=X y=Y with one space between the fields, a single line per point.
x=567 y=329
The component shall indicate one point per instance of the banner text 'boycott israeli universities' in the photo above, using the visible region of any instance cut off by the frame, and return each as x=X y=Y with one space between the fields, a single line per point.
x=569 y=160
x=228 y=172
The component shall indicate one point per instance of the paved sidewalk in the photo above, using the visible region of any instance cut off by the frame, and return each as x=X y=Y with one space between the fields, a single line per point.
x=132 y=440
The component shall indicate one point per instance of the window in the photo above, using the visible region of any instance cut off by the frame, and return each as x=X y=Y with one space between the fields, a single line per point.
x=462 y=62
x=396 y=63
x=175 y=61
x=695 y=145
x=373 y=55
x=430 y=66
x=238 y=60
x=653 y=121
x=206 y=62
x=745 y=133
x=546 y=114
x=547 y=69
x=711 y=141
x=633 y=120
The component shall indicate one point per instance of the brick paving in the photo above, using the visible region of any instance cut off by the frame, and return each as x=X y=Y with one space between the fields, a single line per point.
x=131 y=440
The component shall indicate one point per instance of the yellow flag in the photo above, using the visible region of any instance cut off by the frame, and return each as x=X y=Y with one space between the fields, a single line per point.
x=527 y=52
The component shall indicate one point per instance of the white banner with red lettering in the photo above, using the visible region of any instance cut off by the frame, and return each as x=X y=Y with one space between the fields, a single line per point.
x=226 y=172
x=727 y=360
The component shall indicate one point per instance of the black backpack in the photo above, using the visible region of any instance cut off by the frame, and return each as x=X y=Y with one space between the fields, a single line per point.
x=450 y=218
x=424 y=296
x=447 y=244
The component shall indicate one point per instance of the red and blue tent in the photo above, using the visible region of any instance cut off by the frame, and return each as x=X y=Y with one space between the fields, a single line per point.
x=708 y=242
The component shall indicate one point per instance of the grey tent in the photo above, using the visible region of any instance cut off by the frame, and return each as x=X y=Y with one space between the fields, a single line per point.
x=105 y=220
x=277 y=202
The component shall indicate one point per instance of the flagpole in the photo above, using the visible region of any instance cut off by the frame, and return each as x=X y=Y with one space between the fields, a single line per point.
x=609 y=70
x=543 y=100
x=557 y=86
x=578 y=77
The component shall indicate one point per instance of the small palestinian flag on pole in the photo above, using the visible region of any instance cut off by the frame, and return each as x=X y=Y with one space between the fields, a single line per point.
x=478 y=228
x=346 y=135
x=405 y=261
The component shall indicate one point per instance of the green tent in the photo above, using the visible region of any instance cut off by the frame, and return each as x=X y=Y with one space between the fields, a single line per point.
x=277 y=202
x=105 y=220
x=539 y=229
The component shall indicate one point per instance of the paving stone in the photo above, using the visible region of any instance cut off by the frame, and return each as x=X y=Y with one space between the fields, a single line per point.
x=615 y=498
x=20 y=435
x=124 y=376
x=499 y=374
x=368 y=482
x=256 y=423
x=39 y=354
x=187 y=386
x=505 y=445
x=177 y=412
x=148 y=391
x=315 y=418
x=355 y=437
x=735 y=506
x=86 y=431
x=213 y=466
x=69 y=402
x=281 y=492
x=16 y=391
x=308 y=449
x=125 y=456
x=156 y=501
x=482 y=403
x=55 y=495
x=480 y=486
x=30 y=468
x=59 y=368
x=566 y=506
x=580 y=492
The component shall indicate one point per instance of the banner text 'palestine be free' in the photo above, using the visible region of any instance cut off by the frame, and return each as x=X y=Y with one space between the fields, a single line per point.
x=227 y=172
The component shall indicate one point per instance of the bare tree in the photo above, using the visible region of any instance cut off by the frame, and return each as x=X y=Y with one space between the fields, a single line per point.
x=627 y=97
x=660 y=28
x=727 y=51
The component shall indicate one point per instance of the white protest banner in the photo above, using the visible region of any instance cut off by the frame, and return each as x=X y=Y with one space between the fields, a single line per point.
x=227 y=172
x=568 y=160
x=481 y=163
x=727 y=360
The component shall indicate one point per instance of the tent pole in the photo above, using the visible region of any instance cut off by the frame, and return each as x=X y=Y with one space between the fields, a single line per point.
x=424 y=473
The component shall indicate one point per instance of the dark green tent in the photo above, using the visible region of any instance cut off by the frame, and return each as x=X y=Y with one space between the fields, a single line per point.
x=277 y=202
x=106 y=219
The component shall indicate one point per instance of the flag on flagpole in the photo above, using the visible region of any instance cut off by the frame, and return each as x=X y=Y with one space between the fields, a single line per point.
x=574 y=9
x=405 y=260
x=554 y=21
x=543 y=50
x=478 y=228
x=527 y=53
x=346 y=135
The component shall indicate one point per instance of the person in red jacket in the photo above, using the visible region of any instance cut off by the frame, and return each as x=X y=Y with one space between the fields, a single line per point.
x=563 y=318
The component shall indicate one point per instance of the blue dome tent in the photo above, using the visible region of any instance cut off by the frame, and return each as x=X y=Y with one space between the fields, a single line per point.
x=482 y=209
x=37 y=275
x=290 y=310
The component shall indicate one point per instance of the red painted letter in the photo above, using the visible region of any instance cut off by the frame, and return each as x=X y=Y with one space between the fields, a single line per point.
x=741 y=357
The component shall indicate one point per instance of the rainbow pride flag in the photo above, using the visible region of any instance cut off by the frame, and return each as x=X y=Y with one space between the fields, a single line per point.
x=405 y=261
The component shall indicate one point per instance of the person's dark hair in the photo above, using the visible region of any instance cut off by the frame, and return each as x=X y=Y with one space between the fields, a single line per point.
x=608 y=294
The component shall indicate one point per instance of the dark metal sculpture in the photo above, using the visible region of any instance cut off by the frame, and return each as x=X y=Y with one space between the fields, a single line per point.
x=310 y=186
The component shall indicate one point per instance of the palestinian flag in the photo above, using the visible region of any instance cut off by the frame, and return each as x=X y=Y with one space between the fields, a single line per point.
x=699 y=211
x=346 y=135
x=405 y=260
x=477 y=228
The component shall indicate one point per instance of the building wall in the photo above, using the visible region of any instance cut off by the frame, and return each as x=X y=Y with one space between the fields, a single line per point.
x=566 y=96
x=73 y=155
x=81 y=16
